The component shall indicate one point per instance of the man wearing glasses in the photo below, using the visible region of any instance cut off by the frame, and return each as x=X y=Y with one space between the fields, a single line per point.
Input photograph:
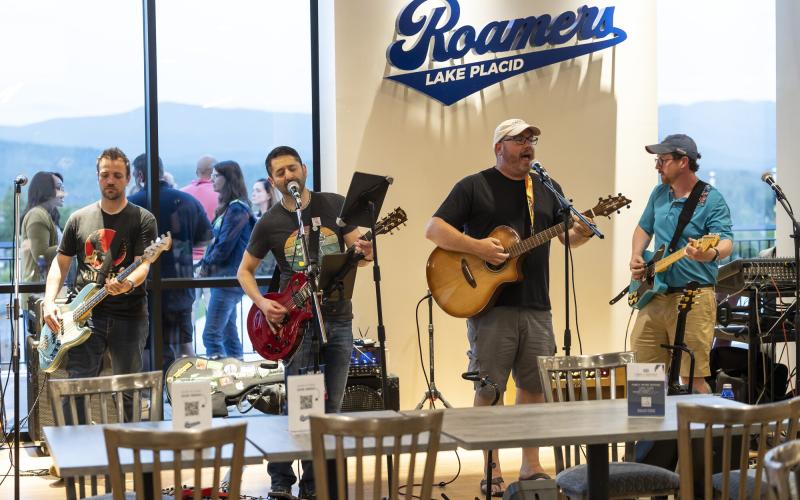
x=507 y=337
x=655 y=324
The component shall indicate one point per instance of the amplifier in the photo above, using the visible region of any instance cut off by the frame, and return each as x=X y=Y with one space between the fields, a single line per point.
x=365 y=361
x=364 y=394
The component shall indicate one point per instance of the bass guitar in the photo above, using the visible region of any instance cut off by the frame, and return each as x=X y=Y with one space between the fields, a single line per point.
x=673 y=379
x=464 y=285
x=641 y=291
x=276 y=341
x=53 y=346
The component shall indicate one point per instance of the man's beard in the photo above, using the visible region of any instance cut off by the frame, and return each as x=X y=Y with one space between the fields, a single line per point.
x=111 y=196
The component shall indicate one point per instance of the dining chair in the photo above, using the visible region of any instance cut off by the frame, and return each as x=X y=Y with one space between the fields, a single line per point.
x=782 y=464
x=768 y=425
x=384 y=435
x=99 y=400
x=197 y=448
x=581 y=378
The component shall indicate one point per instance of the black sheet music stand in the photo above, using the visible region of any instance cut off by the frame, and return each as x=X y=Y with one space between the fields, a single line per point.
x=333 y=285
x=361 y=207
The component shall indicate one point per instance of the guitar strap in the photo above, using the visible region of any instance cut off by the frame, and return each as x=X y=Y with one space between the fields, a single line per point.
x=529 y=196
x=686 y=213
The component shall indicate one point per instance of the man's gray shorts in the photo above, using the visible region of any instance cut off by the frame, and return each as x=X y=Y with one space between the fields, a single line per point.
x=507 y=340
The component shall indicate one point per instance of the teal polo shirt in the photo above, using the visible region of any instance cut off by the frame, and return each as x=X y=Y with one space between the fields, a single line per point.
x=660 y=218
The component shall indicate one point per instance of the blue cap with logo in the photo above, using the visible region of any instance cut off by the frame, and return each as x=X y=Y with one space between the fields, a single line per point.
x=676 y=143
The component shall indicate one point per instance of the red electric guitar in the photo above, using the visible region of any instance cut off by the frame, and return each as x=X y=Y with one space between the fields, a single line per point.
x=276 y=341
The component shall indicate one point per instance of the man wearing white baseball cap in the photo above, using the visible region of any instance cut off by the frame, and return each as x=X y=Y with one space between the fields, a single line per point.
x=506 y=337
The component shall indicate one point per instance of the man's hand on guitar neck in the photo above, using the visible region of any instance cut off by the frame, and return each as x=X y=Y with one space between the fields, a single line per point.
x=491 y=250
x=700 y=255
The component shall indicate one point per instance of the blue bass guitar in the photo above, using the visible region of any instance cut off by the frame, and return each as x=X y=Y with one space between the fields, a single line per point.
x=53 y=346
x=641 y=291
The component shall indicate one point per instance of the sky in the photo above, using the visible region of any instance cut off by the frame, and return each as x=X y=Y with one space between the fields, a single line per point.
x=66 y=59
x=715 y=50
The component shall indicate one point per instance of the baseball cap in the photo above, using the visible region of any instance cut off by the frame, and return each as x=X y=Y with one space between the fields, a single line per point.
x=513 y=126
x=675 y=143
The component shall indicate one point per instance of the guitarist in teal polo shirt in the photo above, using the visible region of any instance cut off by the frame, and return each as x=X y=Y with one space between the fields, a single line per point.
x=680 y=212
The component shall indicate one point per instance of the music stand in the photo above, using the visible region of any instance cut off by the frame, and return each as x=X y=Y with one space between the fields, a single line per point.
x=361 y=207
x=332 y=266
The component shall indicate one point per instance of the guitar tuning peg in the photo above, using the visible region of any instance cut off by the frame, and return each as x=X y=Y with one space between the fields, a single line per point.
x=600 y=199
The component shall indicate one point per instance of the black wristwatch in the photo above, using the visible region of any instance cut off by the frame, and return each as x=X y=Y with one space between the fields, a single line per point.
x=133 y=285
x=716 y=255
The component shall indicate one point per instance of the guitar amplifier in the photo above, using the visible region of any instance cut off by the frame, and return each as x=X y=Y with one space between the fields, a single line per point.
x=365 y=361
x=364 y=394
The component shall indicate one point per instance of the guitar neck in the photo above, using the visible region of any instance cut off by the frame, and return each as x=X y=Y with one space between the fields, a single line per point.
x=670 y=259
x=539 y=238
x=98 y=297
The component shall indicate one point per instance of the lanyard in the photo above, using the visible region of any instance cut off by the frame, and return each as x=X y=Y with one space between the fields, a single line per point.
x=529 y=196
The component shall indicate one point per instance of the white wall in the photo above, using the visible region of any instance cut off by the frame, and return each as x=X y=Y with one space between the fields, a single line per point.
x=595 y=113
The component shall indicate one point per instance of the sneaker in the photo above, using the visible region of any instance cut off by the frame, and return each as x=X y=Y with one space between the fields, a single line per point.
x=307 y=492
x=278 y=492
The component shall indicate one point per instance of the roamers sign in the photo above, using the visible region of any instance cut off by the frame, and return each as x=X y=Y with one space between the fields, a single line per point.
x=430 y=34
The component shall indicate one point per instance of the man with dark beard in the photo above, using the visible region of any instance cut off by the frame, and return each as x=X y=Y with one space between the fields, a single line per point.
x=106 y=237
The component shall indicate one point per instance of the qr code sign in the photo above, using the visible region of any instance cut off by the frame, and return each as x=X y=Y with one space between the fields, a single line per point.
x=191 y=408
x=306 y=402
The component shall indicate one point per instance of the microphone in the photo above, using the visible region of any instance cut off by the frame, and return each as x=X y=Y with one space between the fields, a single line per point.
x=473 y=376
x=539 y=169
x=294 y=190
x=21 y=180
x=767 y=177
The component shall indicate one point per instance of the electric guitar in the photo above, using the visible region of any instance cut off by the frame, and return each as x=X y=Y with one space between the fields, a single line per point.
x=641 y=291
x=464 y=285
x=275 y=341
x=53 y=346
x=684 y=306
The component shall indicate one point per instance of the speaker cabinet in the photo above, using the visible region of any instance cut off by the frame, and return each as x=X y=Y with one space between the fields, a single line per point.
x=364 y=394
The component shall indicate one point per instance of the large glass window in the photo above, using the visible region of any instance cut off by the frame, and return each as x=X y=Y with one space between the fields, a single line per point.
x=716 y=83
x=71 y=87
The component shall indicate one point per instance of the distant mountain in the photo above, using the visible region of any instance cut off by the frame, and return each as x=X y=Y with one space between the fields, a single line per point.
x=70 y=145
x=730 y=135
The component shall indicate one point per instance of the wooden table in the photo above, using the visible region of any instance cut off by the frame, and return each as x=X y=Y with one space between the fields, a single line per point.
x=591 y=423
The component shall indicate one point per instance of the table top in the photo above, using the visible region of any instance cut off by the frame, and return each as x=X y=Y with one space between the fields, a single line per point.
x=81 y=450
x=560 y=424
x=272 y=437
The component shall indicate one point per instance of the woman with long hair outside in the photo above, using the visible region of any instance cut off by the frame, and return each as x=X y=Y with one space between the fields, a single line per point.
x=233 y=223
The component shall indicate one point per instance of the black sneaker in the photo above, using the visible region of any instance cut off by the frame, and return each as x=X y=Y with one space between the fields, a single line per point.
x=278 y=492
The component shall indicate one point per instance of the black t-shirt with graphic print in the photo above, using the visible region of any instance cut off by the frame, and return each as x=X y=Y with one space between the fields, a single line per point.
x=480 y=202
x=276 y=232
x=105 y=245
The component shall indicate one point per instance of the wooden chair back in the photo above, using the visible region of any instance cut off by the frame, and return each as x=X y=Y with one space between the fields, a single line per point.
x=583 y=378
x=201 y=445
x=385 y=435
x=770 y=424
x=101 y=401
x=782 y=464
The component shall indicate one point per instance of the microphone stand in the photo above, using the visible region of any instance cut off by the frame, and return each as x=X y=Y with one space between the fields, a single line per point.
x=484 y=381
x=432 y=393
x=313 y=275
x=567 y=210
x=796 y=241
x=15 y=349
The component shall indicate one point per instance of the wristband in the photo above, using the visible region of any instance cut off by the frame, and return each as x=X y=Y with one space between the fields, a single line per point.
x=716 y=255
x=133 y=285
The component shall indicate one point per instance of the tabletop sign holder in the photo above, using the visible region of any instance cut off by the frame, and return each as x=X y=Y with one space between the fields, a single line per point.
x=191 y=405
x=647 y=389
x=306 y=397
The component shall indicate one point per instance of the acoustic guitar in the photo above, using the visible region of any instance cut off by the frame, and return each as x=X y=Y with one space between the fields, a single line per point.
x=53 y=346
x=464 y=285
x=276 y=341
x=641 y=291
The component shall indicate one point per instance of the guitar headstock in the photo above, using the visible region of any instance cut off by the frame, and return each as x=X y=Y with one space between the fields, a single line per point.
x=690 y=292
x=392 y=221
x=607 y=206
x=706 y=242
x=156 y=248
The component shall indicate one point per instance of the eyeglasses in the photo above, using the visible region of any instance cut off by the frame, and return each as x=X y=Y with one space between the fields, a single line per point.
x=661 y=161
x=522 y=140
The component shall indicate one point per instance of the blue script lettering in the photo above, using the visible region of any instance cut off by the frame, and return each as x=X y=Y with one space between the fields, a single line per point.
x=432 y=31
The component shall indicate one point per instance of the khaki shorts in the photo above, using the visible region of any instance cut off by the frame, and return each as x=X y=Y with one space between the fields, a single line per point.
x=655 y=325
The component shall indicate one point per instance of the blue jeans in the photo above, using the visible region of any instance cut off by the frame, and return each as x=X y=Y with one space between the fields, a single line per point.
x=335 y=364
x=124 y=338
x=221 y=336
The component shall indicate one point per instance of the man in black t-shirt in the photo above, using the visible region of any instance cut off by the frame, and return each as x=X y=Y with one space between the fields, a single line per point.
x=507 y=337
x=105 y=238
x=277 y=232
